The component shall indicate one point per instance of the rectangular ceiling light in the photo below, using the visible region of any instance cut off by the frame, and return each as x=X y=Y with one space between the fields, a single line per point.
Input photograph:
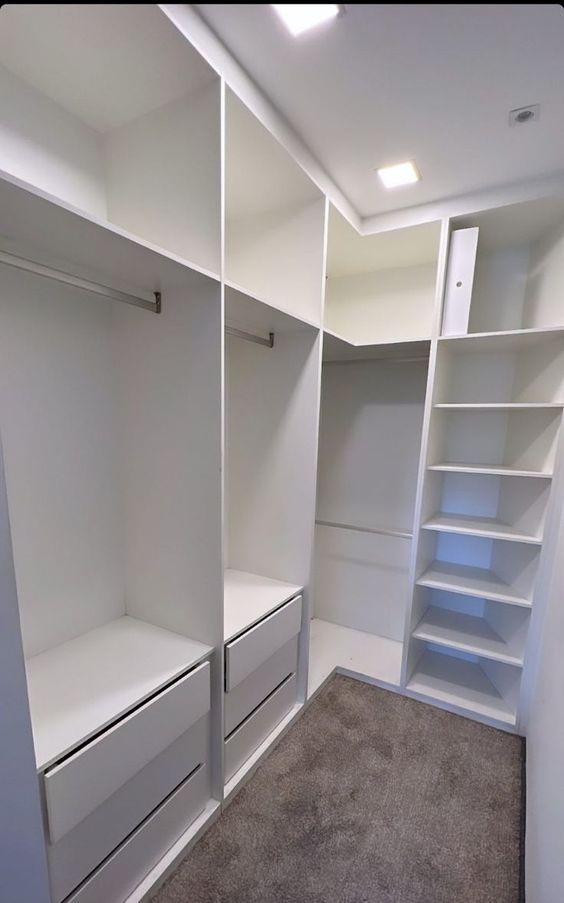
x=300 y=17
x=399 y=174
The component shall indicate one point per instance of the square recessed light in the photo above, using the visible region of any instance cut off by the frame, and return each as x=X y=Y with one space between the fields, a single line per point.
x=399 y=174
x=300 y=17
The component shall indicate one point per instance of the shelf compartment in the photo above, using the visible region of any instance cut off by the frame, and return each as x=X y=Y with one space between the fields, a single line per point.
x=465 y=685
x=488 y=527
x=471 y=581
x=475 y=635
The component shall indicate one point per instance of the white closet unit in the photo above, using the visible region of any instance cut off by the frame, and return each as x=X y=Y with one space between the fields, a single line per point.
x=127 y=131
x=380 y=297
x=484 y=549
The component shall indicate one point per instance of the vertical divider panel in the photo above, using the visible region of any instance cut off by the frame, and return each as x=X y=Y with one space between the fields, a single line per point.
x=407 y=663
x=218 y=733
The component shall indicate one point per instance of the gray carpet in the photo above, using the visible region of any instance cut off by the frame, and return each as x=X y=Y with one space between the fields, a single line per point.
x=370 y=798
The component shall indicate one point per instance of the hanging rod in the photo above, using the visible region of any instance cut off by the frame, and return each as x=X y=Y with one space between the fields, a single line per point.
x=39 y=269
x=380 y=531
x=251 y=337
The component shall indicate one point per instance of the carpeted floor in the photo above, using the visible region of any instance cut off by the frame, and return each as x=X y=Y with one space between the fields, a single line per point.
x=370 y=798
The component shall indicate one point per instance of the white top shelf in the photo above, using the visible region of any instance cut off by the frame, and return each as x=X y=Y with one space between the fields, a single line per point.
x=495 y=469
x=510 y=340
x=471 y=581
x=489 y=527
x=466 y=633
x=249 y=597
x=460 y=685
x=337 y=348
x=80 y=687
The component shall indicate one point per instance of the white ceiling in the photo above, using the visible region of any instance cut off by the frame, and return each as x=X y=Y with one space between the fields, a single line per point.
x=434 y=82
x=125 y=59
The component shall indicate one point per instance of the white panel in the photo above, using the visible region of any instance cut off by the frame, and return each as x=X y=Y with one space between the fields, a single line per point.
x=256 y=728
x=459 y=281
x=22 y=855
x=82 y=782
x=543 y=299
x=124 y=870
x=247 y=695
x=77 y=853
x=163 y=174
x=244 y=655
x=57 y=394
x=499 y=290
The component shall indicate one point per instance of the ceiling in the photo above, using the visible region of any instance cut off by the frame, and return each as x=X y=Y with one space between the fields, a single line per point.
x=433 y=82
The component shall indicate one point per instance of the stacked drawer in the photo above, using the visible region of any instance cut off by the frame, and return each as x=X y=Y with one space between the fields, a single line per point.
x=260 y=681
x=109 y=789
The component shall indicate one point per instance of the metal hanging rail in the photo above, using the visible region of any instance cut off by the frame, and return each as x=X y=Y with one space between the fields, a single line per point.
x=380 y=531
x=96 y=288
x=251 y=337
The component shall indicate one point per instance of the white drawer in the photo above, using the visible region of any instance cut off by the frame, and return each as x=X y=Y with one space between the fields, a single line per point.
x=247 y=695
x=249 y=736
x=123 y=871
x=84 y=780
x=81 y=850
x=254 y=647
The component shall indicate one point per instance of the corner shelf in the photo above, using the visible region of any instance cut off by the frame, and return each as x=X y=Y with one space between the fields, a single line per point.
x=461 y=685
x=249 y=597
x=336 y=348
x=471 y=581
x=466 y=633
x=488 y=527
x=493 y=469
x=80 y=687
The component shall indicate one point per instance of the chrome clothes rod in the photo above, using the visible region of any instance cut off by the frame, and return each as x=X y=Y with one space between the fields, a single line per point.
x=251 y=337
x=380 y=531
x=39 y=269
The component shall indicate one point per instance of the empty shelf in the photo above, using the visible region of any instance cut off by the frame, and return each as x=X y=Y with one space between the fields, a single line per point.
x=249 y=597
x=499 y=406
x=332 y=646
x=471 y=581
x=466 y=633
x=511 y=340
x=78 y=688
x=459 y=684
x=478 y=526
x=494 y=469
x=338 y=348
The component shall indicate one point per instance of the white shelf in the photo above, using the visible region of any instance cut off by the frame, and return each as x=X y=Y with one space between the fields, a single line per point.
x=373 y=657
x=337 y=348
x=488 y=527
x=511 y=340
x=460 y=685
x=494 y=469
x=80 y=687
x=466 y=633
x=471 y=581
x=501 y=406
x=249 y=309
x=249 y=597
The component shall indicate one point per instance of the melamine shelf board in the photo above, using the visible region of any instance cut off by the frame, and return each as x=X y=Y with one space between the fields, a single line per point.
x=494 y=469
x=332 y=646
x=466 y=633
x=500 y=406
x=36 y=225
x=337 y=348
x=80 y=687
x=510 y=340
x=461 y=685
x=471 y=581
x=488 y=527
x=249 y=597
x=239 y=302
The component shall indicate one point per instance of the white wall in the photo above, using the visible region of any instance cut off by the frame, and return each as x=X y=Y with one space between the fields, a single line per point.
x=543 y=299
x=43 y=144
x=382 y=306
x=545 y=756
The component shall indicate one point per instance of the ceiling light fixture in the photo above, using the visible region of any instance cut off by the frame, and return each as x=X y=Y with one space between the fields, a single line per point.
x=300 y=17
x=399 y=174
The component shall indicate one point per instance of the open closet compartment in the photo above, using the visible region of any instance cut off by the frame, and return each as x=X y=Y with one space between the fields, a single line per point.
x=380 y=298
x=275 y=219
x=126 y=131
x=109 y=418
x=272 y=362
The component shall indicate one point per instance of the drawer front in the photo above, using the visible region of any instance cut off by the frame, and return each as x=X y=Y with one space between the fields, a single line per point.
x=247 y=695
x=81 y=850
x=125 y=869
x=258 y=644
x=249 y=736
x=81 y=783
